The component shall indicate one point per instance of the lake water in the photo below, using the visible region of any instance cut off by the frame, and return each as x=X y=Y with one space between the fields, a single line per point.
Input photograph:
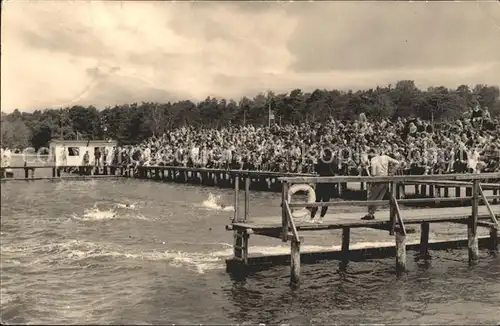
x=72 y=253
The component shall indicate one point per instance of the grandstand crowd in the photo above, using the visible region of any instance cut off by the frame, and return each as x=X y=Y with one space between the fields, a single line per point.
x=470 y=144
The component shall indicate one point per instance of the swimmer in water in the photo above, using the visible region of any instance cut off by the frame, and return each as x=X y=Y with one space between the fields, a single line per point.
x=130 y=206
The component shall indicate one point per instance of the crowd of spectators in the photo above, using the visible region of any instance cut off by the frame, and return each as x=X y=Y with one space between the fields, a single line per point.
x=469 y=144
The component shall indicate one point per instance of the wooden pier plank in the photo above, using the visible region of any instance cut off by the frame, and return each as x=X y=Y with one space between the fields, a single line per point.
x=353 y=219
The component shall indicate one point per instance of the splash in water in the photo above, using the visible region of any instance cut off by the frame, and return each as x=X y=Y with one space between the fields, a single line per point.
x=95 y=214
x=107 y=211
x=127 y=206
x=213 y=203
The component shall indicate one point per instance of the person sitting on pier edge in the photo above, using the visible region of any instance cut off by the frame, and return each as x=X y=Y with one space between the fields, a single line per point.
x=326 y=166
x=379 y=167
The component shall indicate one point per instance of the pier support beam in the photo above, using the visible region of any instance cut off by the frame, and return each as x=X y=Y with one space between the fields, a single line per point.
x=346 y=238
x=295 y=261
x=284 y=220
x=400 y=251
x=472 y=238
x=424 y=240
x=241 y=246
x=494 y=240
x=236 y=199
x=473 y=245
x=247 y=197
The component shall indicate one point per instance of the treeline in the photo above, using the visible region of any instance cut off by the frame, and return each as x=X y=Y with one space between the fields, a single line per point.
x=132 y=123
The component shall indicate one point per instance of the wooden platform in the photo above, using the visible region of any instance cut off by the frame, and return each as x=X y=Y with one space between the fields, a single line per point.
x=272 y=224
x=395 y=220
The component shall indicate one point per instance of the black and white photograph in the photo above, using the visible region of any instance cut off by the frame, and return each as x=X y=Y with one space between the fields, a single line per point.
x=250 y=162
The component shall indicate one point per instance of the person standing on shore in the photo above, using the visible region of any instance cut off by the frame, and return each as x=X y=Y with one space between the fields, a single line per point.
x=379 y=167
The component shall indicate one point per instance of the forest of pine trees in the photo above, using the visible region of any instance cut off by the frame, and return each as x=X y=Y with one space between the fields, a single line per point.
x=132 y=123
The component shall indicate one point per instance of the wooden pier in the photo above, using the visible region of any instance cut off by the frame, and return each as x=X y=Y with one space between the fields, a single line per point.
x=51 y=172
x=393 y=220
x=222 y=178
x=254 y=180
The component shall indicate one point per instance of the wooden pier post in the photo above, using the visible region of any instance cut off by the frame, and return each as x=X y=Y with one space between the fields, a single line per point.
x=392 y=209
x=346 y=238
x=284 y=221
x=241 y=246
x=236 y=199
x=247 y=197
x=431 y=191
x=494 y=239
x=295 y=261
x=423 y=190
x=468 y=191
x=473 y=244
x=424 y=240
x=400 y=250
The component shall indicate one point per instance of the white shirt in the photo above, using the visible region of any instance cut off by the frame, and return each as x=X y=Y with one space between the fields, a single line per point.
x=380 y=165
x=7 y=153
x=364 y=158
x=228 y=155
x=473 y=159
x=6 y=157
x=147 y=153
x=195 y=153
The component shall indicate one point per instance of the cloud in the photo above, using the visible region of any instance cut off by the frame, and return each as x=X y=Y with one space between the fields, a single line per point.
x=57 y=53
x=393 y=35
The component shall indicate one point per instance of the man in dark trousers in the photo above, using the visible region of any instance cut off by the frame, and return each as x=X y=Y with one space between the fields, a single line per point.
x=380 y=167
x=327 y=166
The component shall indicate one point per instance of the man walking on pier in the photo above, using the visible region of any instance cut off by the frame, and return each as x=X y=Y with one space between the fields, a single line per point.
x=379 y=167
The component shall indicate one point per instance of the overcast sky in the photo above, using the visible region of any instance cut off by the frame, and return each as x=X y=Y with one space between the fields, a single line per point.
x=104 y=53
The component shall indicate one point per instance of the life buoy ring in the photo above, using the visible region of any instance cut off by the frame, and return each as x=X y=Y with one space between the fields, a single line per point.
x=311 y=198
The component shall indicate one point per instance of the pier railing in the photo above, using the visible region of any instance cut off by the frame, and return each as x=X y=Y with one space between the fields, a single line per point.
x=473 y=181
x=29 y=172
